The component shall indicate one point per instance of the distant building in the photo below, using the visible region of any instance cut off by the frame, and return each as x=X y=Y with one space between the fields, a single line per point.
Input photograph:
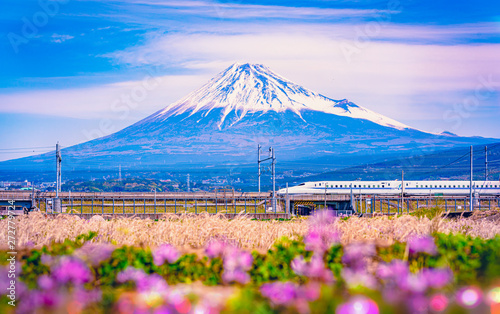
x=23 y=184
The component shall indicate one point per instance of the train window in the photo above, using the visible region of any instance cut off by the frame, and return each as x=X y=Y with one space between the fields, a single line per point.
x=336 y=185
x=315 y=184
x=320 y=184
x=364 y=185
x=406 y=184
x=378 y=186
x=341 y=185
x=426 y=186
x=354 y=185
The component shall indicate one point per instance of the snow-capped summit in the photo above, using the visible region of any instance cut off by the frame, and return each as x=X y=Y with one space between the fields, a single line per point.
x=249 y=88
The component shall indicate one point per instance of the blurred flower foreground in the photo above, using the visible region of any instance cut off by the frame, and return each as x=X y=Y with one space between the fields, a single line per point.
x=321 y=271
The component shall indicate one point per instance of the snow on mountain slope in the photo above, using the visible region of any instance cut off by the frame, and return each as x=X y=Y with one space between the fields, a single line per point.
x=249 y=88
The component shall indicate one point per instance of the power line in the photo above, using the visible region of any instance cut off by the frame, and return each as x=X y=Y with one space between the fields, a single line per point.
x=24 y=148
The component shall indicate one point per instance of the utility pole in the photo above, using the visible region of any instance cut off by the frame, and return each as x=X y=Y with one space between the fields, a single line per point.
x=402 y=191
x=287 y=202
x=58 y=170
x=56 y=203
x=188 y=183
x=325 y=195
x=471 y=206
x=353 y=206
x=486 y=163
x=258 y=162
x=273 y=170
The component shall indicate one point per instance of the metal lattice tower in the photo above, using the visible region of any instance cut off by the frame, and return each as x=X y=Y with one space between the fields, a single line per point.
x=271 y=157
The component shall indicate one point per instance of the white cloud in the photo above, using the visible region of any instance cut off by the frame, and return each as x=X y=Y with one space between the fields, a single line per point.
x=125 y=100
x=233 y=11
x=407 y=82
x=56 y=38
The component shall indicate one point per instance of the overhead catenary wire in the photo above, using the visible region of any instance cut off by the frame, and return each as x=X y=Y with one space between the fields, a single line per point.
x=24 y=148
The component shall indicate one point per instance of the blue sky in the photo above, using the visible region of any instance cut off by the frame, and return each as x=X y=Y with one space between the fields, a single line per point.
x=65 y=64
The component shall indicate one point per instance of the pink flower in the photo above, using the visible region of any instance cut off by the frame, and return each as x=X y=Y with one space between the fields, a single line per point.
x=95 y=253
x=422 y=244
x=314 y=269
x=314 y=241
x=322 y=232
x=358 y=305
x=310 y=292
x=235 y=275
x=280 y=293
x=130 y=274
x=153 y=282
x=392 y=271
x=437 y=277
x=414 y=283
x=215 y=248
x=45 y=282
x=86 y=297
x=355 y=278
x=236 y=263
x=165 y=252
x=299 y=266
x=71 y=270
x=417 y=303
x=355 y=254
x=47 y=299
x=143 y=281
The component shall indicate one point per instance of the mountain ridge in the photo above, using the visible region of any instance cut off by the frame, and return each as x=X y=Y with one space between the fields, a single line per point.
x=225 y=120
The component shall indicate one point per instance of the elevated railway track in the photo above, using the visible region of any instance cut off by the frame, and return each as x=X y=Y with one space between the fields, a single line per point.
x=258 y=205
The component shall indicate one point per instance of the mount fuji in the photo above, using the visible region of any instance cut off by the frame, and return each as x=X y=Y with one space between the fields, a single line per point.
x=243 y=106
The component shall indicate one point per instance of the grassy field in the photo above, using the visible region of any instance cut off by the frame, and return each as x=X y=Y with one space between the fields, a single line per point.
x=193 y=231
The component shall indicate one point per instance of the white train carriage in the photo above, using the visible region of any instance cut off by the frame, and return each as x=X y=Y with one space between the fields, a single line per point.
x=395 y=187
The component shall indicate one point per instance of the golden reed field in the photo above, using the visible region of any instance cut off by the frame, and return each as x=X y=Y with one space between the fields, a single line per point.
x=194 y=231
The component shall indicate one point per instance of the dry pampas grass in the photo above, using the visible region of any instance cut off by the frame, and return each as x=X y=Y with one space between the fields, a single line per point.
x=193 y=231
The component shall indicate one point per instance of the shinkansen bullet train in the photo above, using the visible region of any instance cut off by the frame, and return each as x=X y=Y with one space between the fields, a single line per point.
x=395 y=187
